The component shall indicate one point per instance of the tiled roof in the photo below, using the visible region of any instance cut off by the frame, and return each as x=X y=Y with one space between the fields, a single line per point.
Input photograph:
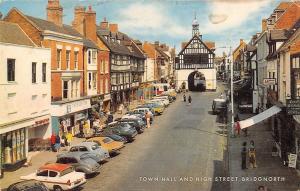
x=12 y=33
x=89 y=43
x=250 y=48
x=162 y=53
x=283 y=5
x=209 y=44
x=294 y=38
x=279 y=34
x=289 y=17
x=47 y=25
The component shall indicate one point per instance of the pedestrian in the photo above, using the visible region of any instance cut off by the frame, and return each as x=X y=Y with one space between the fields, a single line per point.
x=190 y=99
x=252 y=155
x=148 y=118
x=244 y=158
x=81 y=134
x=184 y=98
x=245 y=131
x=85 y=129
x=257 y=109
x=52 y=139
x=57 y=143
x=262 y=188
x=237 y=128
x=69 y=138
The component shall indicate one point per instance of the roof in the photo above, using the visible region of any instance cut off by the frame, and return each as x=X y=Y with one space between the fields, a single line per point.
x=209 y=44
x=289 y=17
x=197 y=37
x=250 y=48
x=293 y=38
x=47 y=25
x=55 y=167
x=283 y=5
x=278 y=34
x=90 y=44
x=162 y=53
x=12 y=33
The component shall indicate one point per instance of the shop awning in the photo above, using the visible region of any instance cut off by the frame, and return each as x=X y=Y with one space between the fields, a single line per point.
x=260 y=117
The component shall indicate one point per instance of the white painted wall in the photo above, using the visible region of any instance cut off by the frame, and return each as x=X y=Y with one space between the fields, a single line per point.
x=149 y=70
x=22 y=100
x=284 y=89
x=210 y=77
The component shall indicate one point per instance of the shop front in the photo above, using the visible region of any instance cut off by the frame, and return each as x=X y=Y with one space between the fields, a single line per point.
x=41 y=128
x=106 y=103
x=70 y=117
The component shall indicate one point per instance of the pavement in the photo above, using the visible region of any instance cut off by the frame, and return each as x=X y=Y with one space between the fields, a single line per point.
x=279 y=177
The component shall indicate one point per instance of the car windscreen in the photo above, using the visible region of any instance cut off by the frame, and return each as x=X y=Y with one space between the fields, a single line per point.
x=66 y=171
x=107 y=140
x=220 y=104
x=95 y=147
x=125 y=127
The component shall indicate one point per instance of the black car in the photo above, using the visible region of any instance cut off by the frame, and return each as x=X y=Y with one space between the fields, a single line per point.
x=122 y=129
x=138 y=123
x=28 y=185
x=110 y=134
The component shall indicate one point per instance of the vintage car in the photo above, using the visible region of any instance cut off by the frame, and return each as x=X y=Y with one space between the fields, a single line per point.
x=112 y=146
x=144 y=110
x=57 y=177
x=219 y=105
x=92 y=148
x=28 y=185
x=165 y=99
x=124 y=130
x=155 y=107
x=137 y=123
x=80 y=162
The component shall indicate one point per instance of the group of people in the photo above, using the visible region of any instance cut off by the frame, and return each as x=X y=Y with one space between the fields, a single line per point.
x=251 y=155
x=189 y=99
x=58 y=141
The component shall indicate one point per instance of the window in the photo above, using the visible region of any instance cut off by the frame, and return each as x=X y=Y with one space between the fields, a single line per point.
x=58 y=58
x=83 y=149
x=89 y=81
x=106 y=66
x=52 y=174
x=89 y=57
x=42 y=173
x=11 y=70
x=94 y=56
x=76 y=60
x=33 y=72
x=103 y=66
x=44 y=65
x=68 y=59
x=65 y=89
x=74 y=149
x=106 y=86
x=94 y=80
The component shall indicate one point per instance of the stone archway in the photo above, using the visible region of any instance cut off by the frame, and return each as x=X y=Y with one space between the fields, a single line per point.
x=196 y=81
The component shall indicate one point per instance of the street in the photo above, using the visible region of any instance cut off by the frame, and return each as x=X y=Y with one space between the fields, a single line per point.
x=183 y=150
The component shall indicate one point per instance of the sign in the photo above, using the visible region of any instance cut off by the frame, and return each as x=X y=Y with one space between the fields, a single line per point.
x=269 y=81
x=41 y=122
x=293 y=107
x=292 y=160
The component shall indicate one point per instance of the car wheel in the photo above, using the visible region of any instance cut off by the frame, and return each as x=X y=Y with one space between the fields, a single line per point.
x=57 y=188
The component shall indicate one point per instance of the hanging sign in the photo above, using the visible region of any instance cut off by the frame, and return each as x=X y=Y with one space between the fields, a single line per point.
x=292 y=160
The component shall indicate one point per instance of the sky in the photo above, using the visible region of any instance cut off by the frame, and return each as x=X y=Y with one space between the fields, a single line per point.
x=168 y=21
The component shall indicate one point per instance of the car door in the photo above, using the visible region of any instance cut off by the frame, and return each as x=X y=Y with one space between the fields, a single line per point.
x=42 y=176
x=53 y=178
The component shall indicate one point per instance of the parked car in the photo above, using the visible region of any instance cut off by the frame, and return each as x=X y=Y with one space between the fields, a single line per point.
x=112 y=146
x=137 y=123
x=158 y=102
x=155 y=107
x=81 y=162
x=164 y=99
x=124 y=130
x=57 y=177
x=28 y=185
x=219 y=105
x=110 y=134
x=144 y=110
x=93 y=148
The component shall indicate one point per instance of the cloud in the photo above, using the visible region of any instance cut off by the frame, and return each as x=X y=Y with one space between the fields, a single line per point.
x=226 y=15
x=149 y=19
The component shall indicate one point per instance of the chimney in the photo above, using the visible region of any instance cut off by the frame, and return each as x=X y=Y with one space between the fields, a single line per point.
x=54 y=12
x=104 y=24
x=113 y=28
x=79 y=20
x=263 y=25
x=90 y=24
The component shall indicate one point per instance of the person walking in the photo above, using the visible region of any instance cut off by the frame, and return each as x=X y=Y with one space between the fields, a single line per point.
x=252 y=155
x=57 y=143
x=184 y=98
x=190 y=99
x=69 y=138
x=148 y=118
x=244 y=156
x=52 y=139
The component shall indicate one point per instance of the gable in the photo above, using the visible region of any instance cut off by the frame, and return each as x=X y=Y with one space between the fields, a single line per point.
x=32 y=32
x=198 y=45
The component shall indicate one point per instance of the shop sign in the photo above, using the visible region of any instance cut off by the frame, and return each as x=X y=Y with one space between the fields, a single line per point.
x=293 y=107
x=292 y=160
x=41 y=122
x=78 y=106
x=269 y=81
x=80 y=116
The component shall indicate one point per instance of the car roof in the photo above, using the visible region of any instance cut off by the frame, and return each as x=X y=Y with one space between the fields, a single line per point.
x=70 y=154
x=97 y=138
x=26 y=184
x=55 y=167
x=88 y=144
x=220 y=100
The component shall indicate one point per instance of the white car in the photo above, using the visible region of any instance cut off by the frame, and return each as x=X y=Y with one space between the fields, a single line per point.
x=57 y=177
x=165 y=100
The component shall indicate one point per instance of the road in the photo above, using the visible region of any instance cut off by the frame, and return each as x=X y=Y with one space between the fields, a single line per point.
x=184 y=150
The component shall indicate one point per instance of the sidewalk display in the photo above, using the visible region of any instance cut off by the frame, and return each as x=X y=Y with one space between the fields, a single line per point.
x=260 y=117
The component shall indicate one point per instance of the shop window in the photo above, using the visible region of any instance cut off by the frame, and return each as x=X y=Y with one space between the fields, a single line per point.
x=42 y=173
x=11 y=70
x=52 y=174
